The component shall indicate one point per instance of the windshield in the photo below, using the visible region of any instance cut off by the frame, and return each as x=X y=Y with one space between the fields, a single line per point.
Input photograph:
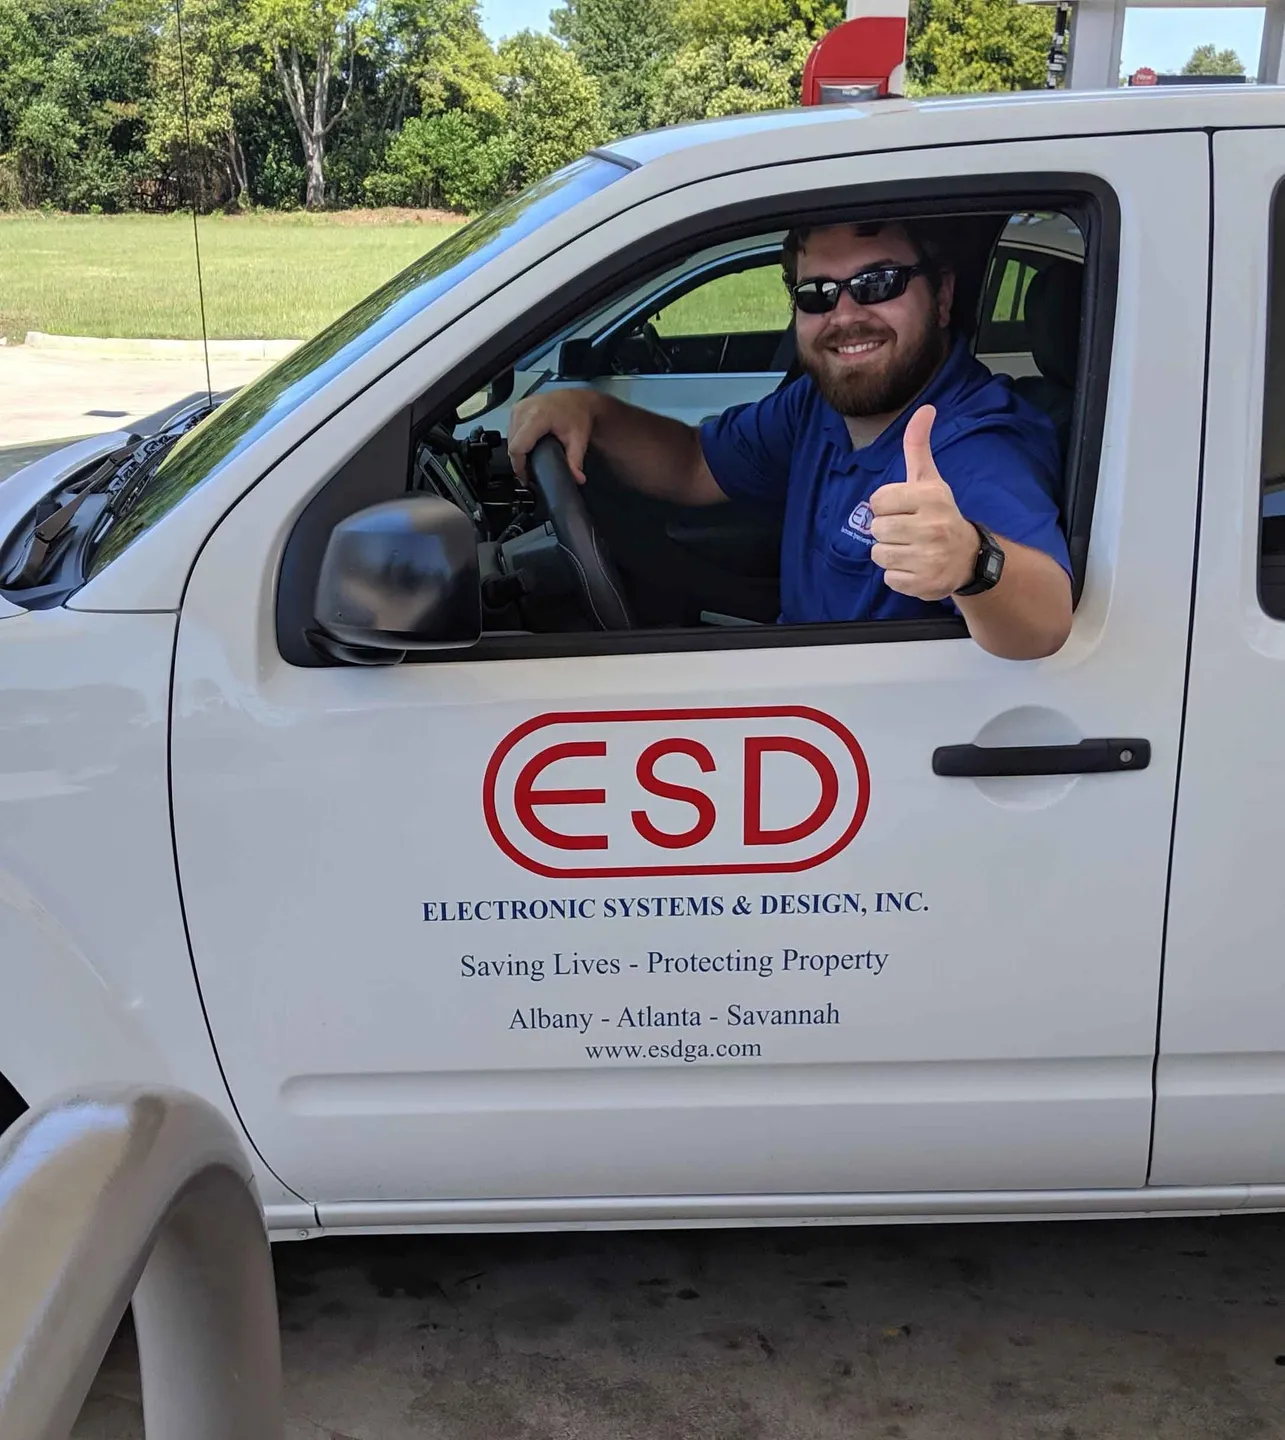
x=236 y=425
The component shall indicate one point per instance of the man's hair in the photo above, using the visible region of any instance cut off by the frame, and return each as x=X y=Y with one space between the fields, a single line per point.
x=924 y=236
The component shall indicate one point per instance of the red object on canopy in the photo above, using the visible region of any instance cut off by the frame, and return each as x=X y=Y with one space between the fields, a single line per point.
x=1145 y=76
x=855 y=60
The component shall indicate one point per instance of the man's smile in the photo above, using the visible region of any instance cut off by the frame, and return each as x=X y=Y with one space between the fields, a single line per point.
x=859 y=347
x=854 y=349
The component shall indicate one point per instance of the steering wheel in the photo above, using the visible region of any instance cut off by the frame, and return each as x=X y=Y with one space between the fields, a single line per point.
x=578 y=537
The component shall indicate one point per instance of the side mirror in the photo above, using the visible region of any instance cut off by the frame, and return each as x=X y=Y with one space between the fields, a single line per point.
x=496 y=393
x=398 y=578
x=579 y=360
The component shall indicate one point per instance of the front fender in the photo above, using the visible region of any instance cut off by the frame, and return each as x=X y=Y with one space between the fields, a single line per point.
x=96 y=982
x=61 y=1025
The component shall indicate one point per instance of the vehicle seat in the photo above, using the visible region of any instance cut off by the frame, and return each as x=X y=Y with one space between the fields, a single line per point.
x=786 y=357
x=1053 y=328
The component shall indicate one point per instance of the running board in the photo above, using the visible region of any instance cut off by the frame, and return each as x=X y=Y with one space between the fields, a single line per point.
x=693 y=1211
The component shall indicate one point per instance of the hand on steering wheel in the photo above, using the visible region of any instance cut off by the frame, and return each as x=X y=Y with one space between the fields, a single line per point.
x=578 y=538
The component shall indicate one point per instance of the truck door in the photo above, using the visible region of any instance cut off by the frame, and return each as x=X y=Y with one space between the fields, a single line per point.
x=1220 y=1083
x=575 y=930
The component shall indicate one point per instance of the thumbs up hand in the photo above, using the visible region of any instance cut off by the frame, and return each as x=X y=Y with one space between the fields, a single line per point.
x=924 y=545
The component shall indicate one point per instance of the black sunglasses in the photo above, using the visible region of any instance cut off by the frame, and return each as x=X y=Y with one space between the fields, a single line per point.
x=871 y=287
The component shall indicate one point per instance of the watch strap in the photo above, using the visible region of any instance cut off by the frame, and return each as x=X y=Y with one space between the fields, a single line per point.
x=989 y=566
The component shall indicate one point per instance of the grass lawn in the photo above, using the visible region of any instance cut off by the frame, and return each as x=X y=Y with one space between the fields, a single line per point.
x=749 y=300
x=266 y=276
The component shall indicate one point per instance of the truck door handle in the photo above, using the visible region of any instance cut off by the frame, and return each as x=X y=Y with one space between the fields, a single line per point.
x=1089 y=757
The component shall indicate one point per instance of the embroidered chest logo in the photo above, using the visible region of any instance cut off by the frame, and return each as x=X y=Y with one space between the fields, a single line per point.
x=857 y=526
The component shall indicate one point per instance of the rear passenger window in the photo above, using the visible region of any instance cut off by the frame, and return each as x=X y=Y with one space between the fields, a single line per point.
x=1010 y=299
x=1030 y=244
x=1271 y=571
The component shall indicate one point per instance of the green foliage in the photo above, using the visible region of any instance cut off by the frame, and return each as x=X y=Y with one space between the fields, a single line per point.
x=704 y=22
x=10 y=185
x=279 y=177
x=444 y=160
x=311 y=26
x=1210 y=60
x=468 y=159
x=71 y=74
x=735 y=74
x=626 y=46
x=554 y=110
x=980 y=45
x=740 y=55
x=314 y=47
x=406 y=101
x=436 y=56
x=202 y=100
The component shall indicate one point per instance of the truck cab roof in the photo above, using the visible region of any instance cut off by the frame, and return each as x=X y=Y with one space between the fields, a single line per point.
x=897 y=123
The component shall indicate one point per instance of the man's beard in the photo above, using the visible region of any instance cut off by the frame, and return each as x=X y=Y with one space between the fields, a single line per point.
x=876 y=389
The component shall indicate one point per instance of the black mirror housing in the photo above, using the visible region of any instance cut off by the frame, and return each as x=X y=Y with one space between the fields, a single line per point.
x=579 y=360
x=397 y=578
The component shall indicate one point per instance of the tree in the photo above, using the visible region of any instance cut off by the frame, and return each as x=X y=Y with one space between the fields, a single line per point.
x=735 y=74
x=980 y=45
x=702 y=22
x=438 y=58
x=71 y=74
x=308 y=41
x=554 y=108
x=202 y=96
x=740 y=55
x=469 y=157
x=625 y=45
x=1209 y=60
x=455 y=158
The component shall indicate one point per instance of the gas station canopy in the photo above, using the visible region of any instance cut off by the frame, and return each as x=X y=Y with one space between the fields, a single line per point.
x=1097 y=37
x=865 y=56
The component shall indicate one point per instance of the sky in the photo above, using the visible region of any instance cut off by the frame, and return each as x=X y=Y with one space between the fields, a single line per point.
x=1162 y=39
x=507 y=17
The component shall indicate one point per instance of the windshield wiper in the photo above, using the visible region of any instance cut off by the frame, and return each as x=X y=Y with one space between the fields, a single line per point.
x=113 y=485
x=51 y=527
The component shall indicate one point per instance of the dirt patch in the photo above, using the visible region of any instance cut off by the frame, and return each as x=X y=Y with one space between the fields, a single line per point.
x=389 y=215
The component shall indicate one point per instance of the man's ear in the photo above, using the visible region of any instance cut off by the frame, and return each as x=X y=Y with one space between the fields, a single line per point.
x=945 y=298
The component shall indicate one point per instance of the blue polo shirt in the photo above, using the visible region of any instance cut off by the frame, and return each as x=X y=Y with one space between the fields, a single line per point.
x=998 y=453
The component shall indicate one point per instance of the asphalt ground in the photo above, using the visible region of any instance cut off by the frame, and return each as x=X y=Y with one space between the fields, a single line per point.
x=1109 y=1330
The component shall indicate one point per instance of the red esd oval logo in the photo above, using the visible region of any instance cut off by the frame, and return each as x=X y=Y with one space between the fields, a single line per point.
x=726 y=791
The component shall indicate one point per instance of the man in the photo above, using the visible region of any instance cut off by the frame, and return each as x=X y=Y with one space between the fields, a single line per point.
x=913 y=482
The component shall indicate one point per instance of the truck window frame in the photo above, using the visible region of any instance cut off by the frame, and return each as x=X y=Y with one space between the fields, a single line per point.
x=364 y=479
x=1271 y=528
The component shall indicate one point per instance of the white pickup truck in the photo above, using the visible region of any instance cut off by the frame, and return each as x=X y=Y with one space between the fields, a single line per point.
x=489 y=856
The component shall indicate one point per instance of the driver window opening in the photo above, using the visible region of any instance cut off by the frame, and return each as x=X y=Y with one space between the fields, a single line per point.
x=1271 y=567
x=714 y=332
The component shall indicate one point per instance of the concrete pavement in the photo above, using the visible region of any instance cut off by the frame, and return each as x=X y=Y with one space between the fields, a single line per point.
x=1122 y=1330
x=47 y=395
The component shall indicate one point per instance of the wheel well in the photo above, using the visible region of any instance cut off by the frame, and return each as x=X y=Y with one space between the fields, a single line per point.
x=11 y=1104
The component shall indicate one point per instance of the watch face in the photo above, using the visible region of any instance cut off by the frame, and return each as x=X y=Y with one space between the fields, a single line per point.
x=992 y=564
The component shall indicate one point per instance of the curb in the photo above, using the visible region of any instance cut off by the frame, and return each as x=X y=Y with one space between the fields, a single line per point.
x=160 y=349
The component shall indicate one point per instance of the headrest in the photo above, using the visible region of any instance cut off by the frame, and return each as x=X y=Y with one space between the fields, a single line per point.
x=1053 y=319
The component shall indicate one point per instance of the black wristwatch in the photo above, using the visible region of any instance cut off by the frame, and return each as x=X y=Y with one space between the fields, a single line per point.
x=989 y=567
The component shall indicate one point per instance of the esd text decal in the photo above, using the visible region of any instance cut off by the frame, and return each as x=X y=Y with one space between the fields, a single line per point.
x=720 y=791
